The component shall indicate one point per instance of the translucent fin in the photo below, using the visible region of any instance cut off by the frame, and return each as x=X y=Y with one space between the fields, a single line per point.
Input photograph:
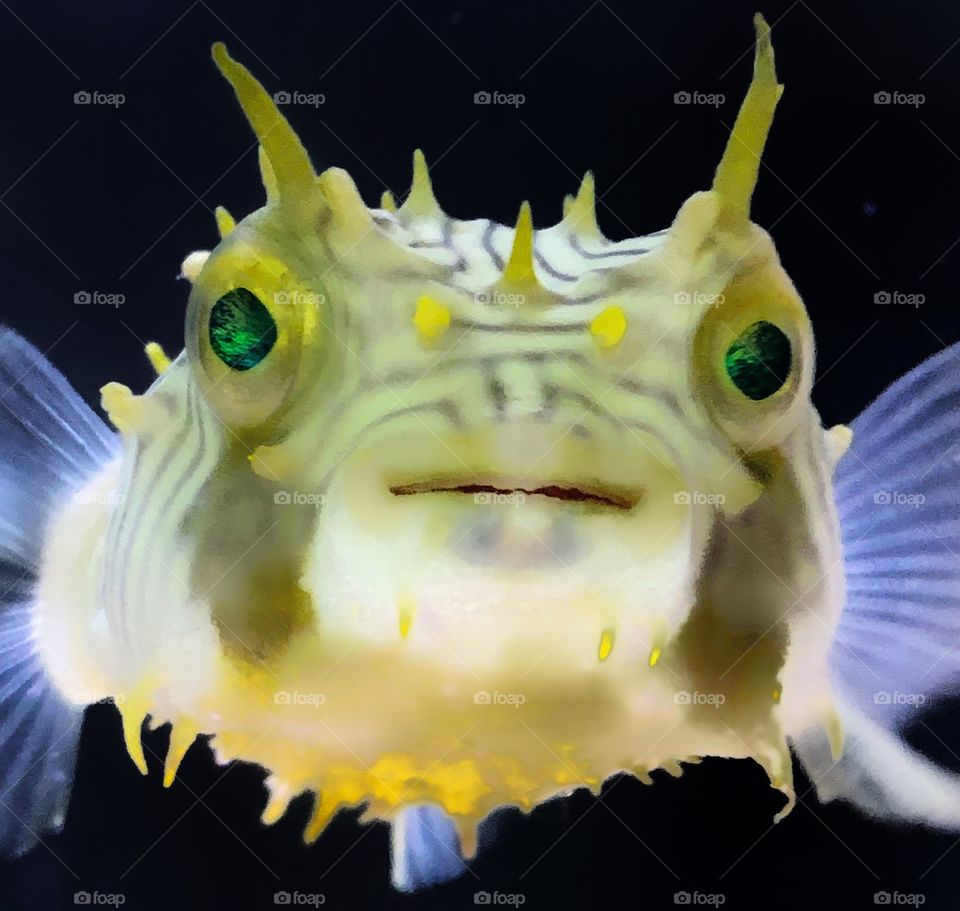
x=39 y=733
x=880 y=774
x=51 y=443
x=897 y=645
x=425 y=848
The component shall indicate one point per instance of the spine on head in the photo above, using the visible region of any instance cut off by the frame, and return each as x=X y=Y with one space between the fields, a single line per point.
x=737 y=172
x=288 y=176
x=282 y=147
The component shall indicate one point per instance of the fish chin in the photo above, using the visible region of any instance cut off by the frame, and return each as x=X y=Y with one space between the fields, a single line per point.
x=485 y=632
x=502 y=649
x=388 y=728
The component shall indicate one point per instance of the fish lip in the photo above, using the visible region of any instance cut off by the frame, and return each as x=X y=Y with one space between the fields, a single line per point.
x=589 y=493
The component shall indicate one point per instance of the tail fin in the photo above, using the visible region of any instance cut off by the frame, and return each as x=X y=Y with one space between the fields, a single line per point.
x=51 y=443
x=897 y=646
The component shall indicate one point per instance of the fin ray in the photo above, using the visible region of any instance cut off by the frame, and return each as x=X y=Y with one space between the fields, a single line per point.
x=898 y=500
x=50 y=444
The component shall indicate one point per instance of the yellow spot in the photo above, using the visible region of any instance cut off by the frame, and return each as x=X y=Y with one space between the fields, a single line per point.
x=157 y=357
x=519 y=269
x=573 y=768
x=225 y=221
x=776 y=695
x=431 y=318
x=388 y=202
x=654 y=657
x=609 y=326
x=405 y=617
x=182 y=735
x=606 y=644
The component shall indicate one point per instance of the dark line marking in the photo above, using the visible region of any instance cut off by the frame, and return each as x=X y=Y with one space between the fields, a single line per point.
x=488 y=244
x=575 y=243
x=542 y=262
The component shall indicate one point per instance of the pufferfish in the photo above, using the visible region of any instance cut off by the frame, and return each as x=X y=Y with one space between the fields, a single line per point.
x=439 y=516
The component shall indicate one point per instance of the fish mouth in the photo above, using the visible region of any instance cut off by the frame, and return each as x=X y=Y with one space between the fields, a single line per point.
x=584 y=493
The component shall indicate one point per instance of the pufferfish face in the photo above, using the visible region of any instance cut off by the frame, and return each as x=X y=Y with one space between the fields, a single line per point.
x=462 y=458
x=497 y=435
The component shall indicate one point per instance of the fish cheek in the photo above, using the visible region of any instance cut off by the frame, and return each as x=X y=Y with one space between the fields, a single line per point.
x=738 y=666
x=250 y=550
x=737 y=639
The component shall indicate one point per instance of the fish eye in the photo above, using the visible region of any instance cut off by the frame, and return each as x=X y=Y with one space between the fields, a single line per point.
x=241 y=329
x=758 y=362
x=255 y=336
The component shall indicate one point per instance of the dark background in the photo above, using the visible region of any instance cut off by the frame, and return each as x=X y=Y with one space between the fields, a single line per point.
x=861 y=198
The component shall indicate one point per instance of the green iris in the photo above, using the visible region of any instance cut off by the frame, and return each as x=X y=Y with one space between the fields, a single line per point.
x=242 y=331
x=758 y=362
